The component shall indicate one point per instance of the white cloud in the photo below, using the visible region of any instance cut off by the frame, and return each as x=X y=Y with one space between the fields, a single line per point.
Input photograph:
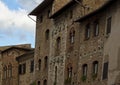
x=15 y=26
x=15 y=19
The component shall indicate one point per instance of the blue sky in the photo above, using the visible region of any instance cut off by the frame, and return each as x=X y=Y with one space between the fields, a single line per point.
x=15 y=26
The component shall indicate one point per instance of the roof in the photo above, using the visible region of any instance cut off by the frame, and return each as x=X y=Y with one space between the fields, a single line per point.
x=13 y=47
x=41 y=7
x=62 y=9
x=108 y=3
x=26 y=55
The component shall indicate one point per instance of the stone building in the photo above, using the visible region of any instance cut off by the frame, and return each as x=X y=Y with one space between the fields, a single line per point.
x=10 y=65
x=26 y=68
x=74 y=42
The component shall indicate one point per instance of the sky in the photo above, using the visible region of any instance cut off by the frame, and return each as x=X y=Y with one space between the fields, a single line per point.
x=15 y=26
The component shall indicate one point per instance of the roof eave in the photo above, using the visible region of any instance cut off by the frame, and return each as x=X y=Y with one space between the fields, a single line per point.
x=94 y=12
x=57 y=13
x=40 y=7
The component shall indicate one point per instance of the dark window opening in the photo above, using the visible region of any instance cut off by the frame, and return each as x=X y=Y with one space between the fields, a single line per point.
x=45 y=82
x=109 y=20
x=46 y=62
x=105 y=71
x=38 y=82
x=32 y=66
x=39 y=64
x=47 y=35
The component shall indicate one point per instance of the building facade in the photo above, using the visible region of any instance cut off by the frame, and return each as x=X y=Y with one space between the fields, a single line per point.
x=10 y=65
x=74 y=42
x=26 y=68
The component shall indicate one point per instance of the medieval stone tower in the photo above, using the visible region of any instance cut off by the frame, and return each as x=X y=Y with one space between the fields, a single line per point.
x=59 y=44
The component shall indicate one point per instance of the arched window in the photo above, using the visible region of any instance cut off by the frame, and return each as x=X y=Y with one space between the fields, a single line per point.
x=9 y=70
x=45 y=82
x=38 y=82
x=47 y=35
x=5 y=72
x=39 y=64
x=95 y=67
x=84 y=69
x=69 y=71
x=46 y=62
x=72 y=36
x=58 y=45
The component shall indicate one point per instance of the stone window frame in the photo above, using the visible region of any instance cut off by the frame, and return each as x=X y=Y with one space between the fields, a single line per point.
x=87 y=31
x=10 y=70
x=72 y=35
x=96 y=28
x=84 y=70
x=95 y=67
x=5 y=72
x=22 y=68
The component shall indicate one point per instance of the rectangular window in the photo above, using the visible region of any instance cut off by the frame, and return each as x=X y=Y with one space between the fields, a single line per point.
x=109 y=20
x=87 y=32
x=96 y=29
x=32 y=66
x=20 y=69
x=105 y=71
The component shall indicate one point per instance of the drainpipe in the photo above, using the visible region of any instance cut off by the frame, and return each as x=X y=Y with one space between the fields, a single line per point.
x=31 y=18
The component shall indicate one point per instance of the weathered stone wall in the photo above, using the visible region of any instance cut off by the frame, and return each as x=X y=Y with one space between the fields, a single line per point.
x=28 y=77
x=69 y=54
x=9 y=57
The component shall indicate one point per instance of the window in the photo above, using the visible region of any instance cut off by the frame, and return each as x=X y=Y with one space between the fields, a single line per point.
x=105 y=71
x=109 y=20
x=4 y=72
x=39 y=64
x=46 y=62
x=45 y=82
x=32 y=66
x=87 y=31
x=56 y=74
x=10 y=71
x=22 y=68
x=85 y=70
x=58 y=45
x=38 y=82
x=47 y=34
x=70 y=72
x=96 y=28
x=95 y=67
x=72 y=36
